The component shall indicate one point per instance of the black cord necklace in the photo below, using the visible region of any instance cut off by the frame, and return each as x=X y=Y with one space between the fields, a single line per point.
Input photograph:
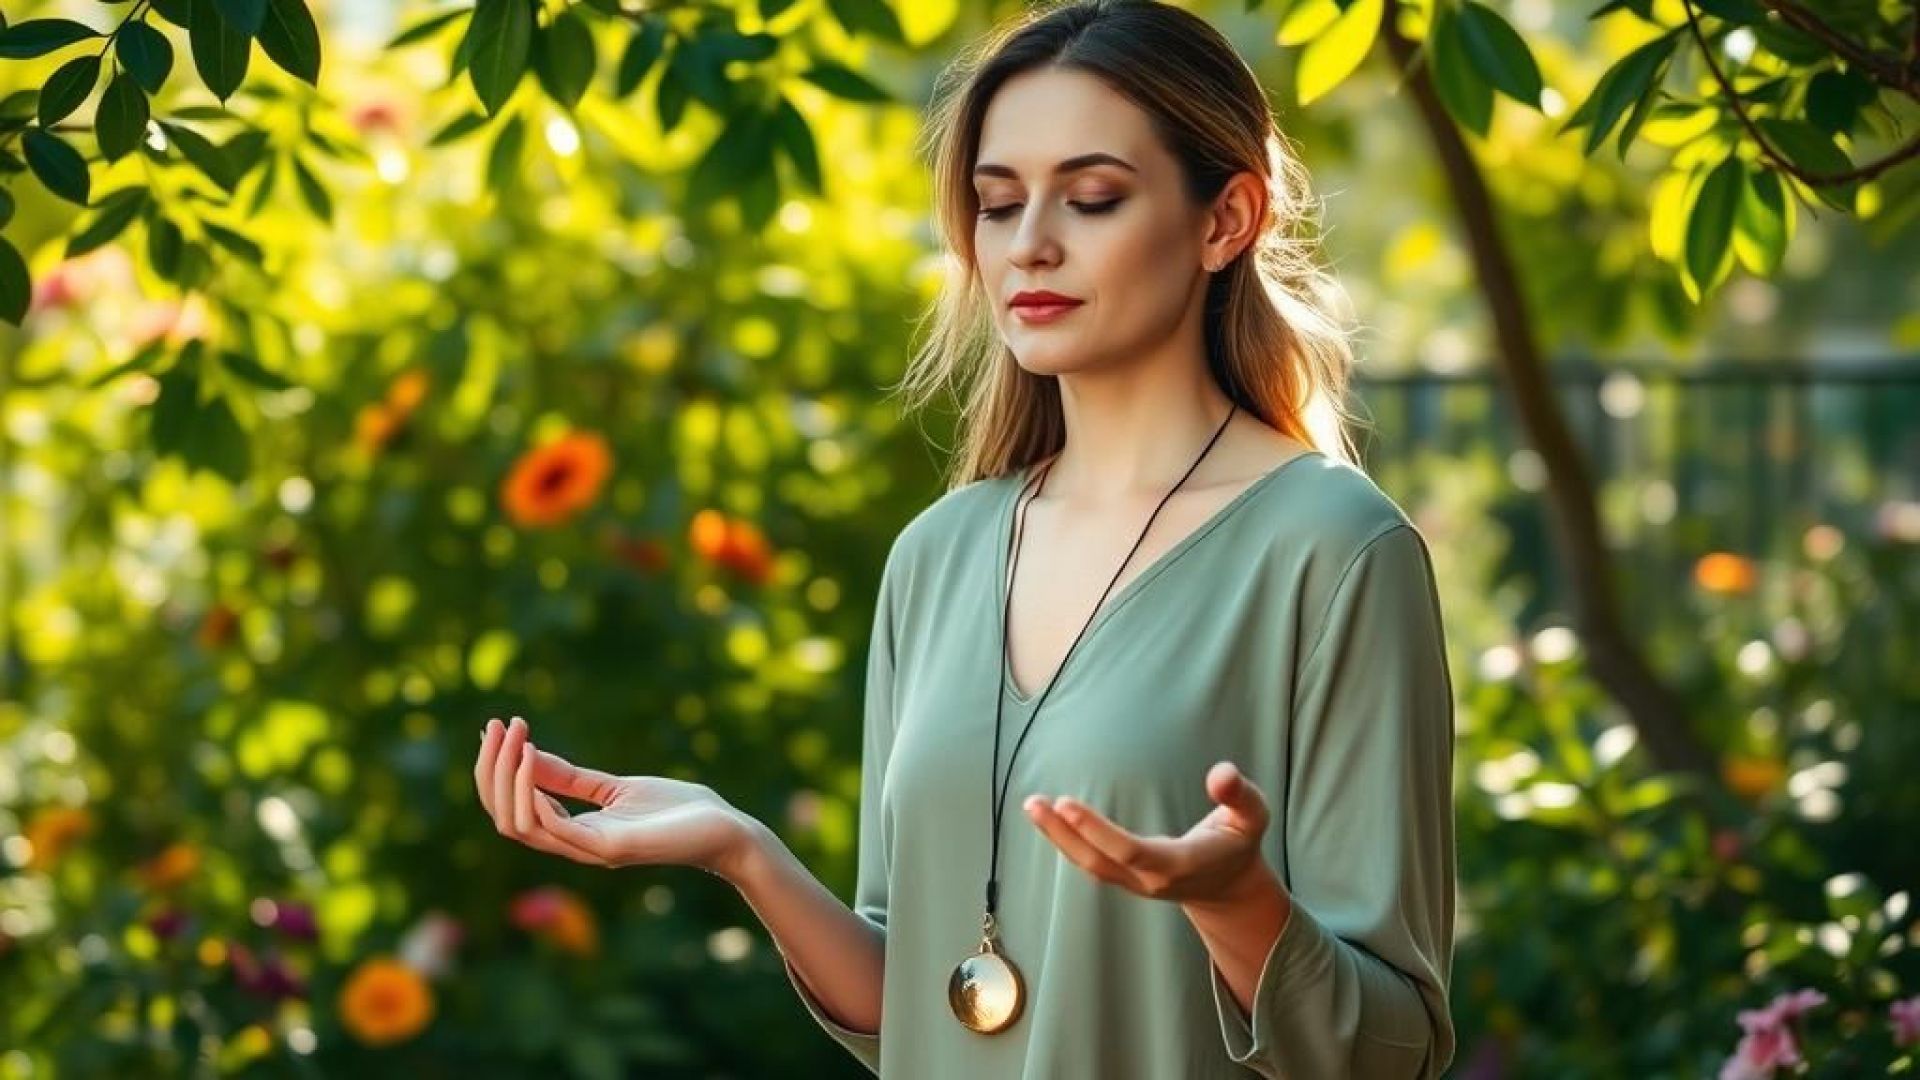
x=986 y=991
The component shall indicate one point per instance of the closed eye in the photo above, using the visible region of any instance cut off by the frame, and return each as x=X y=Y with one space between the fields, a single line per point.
x=999 y=213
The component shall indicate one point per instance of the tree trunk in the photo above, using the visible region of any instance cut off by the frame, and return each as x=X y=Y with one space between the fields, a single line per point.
x=1656 y=711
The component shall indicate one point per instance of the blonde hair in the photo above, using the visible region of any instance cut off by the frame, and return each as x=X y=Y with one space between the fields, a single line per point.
x=1277 y=339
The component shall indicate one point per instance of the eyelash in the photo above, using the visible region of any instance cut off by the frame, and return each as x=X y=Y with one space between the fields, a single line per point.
x=998 y=213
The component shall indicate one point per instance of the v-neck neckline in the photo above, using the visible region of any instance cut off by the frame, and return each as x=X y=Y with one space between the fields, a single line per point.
x=1010 y=502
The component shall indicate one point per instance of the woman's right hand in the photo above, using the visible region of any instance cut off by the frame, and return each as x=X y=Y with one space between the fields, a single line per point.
x=640 y=820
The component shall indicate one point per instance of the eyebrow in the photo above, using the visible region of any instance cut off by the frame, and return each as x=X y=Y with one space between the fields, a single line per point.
x=1072 y=164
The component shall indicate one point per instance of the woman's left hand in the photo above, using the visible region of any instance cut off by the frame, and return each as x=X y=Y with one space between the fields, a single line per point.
x=1212 y=863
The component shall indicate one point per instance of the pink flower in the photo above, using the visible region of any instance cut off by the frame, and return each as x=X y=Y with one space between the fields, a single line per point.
x=1905 y=1016
x=1769 y=1041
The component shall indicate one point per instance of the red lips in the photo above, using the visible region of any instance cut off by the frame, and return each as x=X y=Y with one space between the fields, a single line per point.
x=1041 y=298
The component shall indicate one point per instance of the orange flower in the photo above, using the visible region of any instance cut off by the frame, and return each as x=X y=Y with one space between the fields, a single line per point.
x=643 y=553
x=1750 y=776
x=407 y=391
x=171 y=868
x=52 y=831
x=1724 y=573
x=558 y=916
x=216 y=629
x=734 y=543
x=551 y=483
x=385 y=1002
x=375 y=426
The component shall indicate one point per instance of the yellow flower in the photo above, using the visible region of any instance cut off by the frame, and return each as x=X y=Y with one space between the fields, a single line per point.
x=52 y=831
x=385 y=1002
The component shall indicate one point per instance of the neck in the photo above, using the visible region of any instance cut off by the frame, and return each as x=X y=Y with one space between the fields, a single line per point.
x=1135 y=432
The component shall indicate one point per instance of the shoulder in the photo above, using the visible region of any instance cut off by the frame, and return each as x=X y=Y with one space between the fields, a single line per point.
x=1328 y=512
x=1326 y=526
x=951 y=524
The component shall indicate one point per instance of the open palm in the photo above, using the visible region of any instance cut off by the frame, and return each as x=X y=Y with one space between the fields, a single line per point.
x=638 y=820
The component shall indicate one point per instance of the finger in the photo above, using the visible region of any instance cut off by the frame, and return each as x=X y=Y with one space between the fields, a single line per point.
x=576 y=840
x=504 y=763
x=1231 y=788
x=523 y=791
x=541 y=839
x=1074 y=846
x=483 y=765
x=1138 y=854
x=555 y=773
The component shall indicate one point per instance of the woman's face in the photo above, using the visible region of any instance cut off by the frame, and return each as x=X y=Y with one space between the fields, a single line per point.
x=1077 y=196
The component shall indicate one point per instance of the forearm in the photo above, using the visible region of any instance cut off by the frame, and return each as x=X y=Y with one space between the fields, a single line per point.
x=839 y=955
x=1239 y=929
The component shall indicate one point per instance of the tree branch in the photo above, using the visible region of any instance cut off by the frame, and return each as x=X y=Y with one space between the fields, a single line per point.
x=1779 y=160
x=1889 y=71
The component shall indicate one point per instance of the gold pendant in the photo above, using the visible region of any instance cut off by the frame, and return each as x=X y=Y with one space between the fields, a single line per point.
x=986 y=991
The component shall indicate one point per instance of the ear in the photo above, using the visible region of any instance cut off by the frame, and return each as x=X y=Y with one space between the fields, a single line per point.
x=1233 y=222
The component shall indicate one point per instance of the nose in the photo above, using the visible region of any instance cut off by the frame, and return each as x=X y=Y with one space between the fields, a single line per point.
x=1034 y=245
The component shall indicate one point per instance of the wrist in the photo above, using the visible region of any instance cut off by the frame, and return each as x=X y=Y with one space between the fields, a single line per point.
x=1257 y=888
x=745 y=858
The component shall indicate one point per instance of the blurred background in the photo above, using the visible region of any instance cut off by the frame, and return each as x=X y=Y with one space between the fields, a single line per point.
x=370 y=369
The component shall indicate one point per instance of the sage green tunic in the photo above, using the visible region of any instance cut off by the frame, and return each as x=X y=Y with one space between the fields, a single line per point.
x=1297 y=633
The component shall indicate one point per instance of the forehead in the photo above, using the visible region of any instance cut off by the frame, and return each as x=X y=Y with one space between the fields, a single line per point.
x=1043 y=116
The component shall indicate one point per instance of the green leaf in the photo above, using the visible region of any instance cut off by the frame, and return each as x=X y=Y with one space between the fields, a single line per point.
x=503 y=157
x=563 y=58
x=1624 y=84
x=1763 y=225
x=502 y=36
x=249 y=370
x=740 y=151
x=146 y=54
x=643 y=50
x=220 y=51
x=458 y=127
x=121 y=120
x=1835 y=98
x=871 y=17
x=263 y=190
x=670 y=94
x=16 y=288
x=291 y=40
x=312 y=190
x=1742 y=12
x=177 y=12
x=1813 y=152
x=6 y=207
x=1468 y=97
x=795 y=139
x=164 y=244
x=243 y=15
x=1498 y=52
x=59 y=166
x=844 y=82
x=426 y=28
x=38 y=37
x=245 y=150
x=109 y=220
x=238 y=243
x=202 y=434
x=208 y=158
x=1336 y=53
x=68 y=88
x=142 y=359
x=1306 y=20
x=1710 y=227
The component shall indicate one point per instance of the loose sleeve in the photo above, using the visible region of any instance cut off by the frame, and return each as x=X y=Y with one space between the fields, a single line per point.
x=870 y=888
x=1355 y=984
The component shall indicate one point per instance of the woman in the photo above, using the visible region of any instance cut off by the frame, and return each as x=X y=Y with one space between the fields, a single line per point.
x=1238 y=846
